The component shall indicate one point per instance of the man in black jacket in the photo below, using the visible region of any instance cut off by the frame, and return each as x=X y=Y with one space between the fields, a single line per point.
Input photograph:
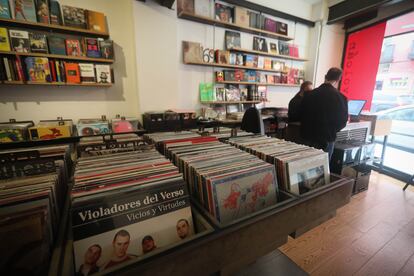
x=296 y=101
x=324 y=112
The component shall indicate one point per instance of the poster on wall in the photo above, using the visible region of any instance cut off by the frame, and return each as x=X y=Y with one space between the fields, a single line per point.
x=361 y=60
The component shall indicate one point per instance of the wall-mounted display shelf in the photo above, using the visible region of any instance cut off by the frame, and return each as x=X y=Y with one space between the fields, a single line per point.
x=57 y=83
x=230 y=102
x=233 y=66
x=77 y=58
x=257 y=83
x=49 y=27
x=268 y=54
x=214 y=22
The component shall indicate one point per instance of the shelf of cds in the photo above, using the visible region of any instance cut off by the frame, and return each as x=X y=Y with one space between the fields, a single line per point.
x=43 y=42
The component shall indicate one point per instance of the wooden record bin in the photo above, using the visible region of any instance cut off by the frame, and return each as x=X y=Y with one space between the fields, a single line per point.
x=229 y=249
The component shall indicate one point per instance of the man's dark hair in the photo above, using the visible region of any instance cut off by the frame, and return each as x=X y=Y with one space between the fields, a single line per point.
x=147 y=238
x=304 y=84
x=334 y=74
x=122 y=233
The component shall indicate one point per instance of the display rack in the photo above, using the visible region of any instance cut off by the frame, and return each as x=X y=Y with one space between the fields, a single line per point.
x=225 y=250
x=214 y=22
x=257 y=83
x=267 y=54
x=53 y=29
x=221 y=65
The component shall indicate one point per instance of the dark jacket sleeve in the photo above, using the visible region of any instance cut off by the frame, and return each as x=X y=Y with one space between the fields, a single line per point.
x=342 y=117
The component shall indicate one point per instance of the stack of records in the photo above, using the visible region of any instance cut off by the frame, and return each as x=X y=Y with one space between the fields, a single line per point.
x=100 y=145
x=32 y=196
x=125 y=205
x=299 y=168
x=161 y=139
x=223 y=133
x=228 y=183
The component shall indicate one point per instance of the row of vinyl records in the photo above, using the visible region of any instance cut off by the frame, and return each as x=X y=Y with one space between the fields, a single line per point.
x=50 y=12
x=137 y=200
x=44 y=70
x=15 y=131
x=291 y=76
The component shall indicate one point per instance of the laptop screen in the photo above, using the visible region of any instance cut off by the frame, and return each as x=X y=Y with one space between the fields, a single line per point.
x=355 y=107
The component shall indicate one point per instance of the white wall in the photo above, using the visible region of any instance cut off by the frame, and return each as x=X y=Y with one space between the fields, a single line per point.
x=44 y=102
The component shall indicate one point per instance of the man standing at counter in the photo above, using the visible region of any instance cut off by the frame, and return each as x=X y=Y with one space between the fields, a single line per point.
x=324 y=112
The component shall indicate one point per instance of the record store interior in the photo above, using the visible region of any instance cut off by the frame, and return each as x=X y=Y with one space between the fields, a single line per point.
x=206 y=137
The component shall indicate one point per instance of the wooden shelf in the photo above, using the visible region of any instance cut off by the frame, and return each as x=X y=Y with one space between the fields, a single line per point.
x=257 y=83
x=233 y=66
x=231 y=102
x=12 y=82
x=260 y=53
x=48 y=27
x=78 y=58
x=214 y=22
x=57 y=83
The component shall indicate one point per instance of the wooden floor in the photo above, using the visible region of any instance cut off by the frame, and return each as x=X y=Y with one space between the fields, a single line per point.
x=372 y=235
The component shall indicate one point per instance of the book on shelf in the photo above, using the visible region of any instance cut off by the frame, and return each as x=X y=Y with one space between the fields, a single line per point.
x=270 y=25
x=239 y=75
x=220 y=95
x=42 y=11
x=186 y=6
x=206 y=92
x=239 y=59
x=262 y=91
x=293 y=50
x=232 y=39
x=243 y=94
x=96 y=21
x=262 y=78
x=4 y=40
x=223 y=12
x=103 y=73
x=20 y=41
x=203 y=8
x=74 y=17
x=73 y=47
x=259 y=44
x=23 y=10
x=38 y=69
x=87 y=72
x=208 y=55
x=192 y=52
x=38 y=43
x=106 y=47
x=5 y=9
x=267 y=63
x=270 y=79
x=55 y=13
x=219 y=76
x=222 y=56
x=251 y=76
x=72 y=72
x=241 y=16
x=232 y=58
x=283 y=48
x=278 y=65
x=229 y=75
x=92 y=47
x=57 y=44
x=232 y=93
x=274 y=48
x=281 y=28
x=260 y=62
x=11 y=69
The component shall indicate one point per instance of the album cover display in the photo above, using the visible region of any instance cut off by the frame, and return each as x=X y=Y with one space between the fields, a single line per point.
x=38 y=69
x=23 y=10
x=5 y=9
x=92 y=127
x=96 y=21
x=203 y=8
x=232 y=39
x=107 y=48
x=103 y=73
x=192 y=52
x=242 y=16
x=4 y=40
x=20 y=41
x=92 y=48
x=42 y=11
x=223 y=12
x=87 y=72
x=259 y=44
x=57 y=44
x=55 y=13
x=185 y=6
x=73 y=47
x=14 y=131
x=74 y=17
x=38 y=43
